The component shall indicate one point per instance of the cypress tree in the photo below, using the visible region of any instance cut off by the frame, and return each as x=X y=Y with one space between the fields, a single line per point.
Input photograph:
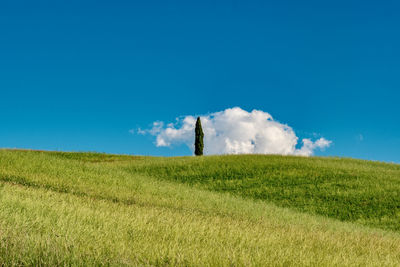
x=198 y=142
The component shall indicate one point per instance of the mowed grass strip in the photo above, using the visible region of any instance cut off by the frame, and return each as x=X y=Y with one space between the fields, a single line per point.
x=346 y=189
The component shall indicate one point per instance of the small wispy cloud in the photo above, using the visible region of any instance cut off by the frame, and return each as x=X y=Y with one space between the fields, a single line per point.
x=236 y=131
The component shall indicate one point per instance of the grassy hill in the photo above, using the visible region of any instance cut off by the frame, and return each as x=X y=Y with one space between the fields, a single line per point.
x=96 y=209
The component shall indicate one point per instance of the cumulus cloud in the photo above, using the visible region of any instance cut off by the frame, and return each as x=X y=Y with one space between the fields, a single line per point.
x=236 y=131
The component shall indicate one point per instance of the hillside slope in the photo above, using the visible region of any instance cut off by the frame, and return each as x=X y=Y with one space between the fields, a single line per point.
x=97 y=209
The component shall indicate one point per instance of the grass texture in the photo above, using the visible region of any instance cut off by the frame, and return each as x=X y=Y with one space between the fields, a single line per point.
x=89 y=209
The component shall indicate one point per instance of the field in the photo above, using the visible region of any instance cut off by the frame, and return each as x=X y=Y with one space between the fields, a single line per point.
x=87 y=209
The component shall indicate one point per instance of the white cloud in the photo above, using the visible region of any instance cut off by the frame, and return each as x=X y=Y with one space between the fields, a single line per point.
x=236 y=131
x=309 y=146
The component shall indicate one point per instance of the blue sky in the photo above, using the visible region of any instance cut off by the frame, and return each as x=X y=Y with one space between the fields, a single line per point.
x=78 y=75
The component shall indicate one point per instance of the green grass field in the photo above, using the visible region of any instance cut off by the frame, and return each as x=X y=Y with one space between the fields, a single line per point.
x=86 y=209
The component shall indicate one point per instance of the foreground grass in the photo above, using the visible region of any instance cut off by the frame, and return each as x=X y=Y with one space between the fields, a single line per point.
x=93 y=209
